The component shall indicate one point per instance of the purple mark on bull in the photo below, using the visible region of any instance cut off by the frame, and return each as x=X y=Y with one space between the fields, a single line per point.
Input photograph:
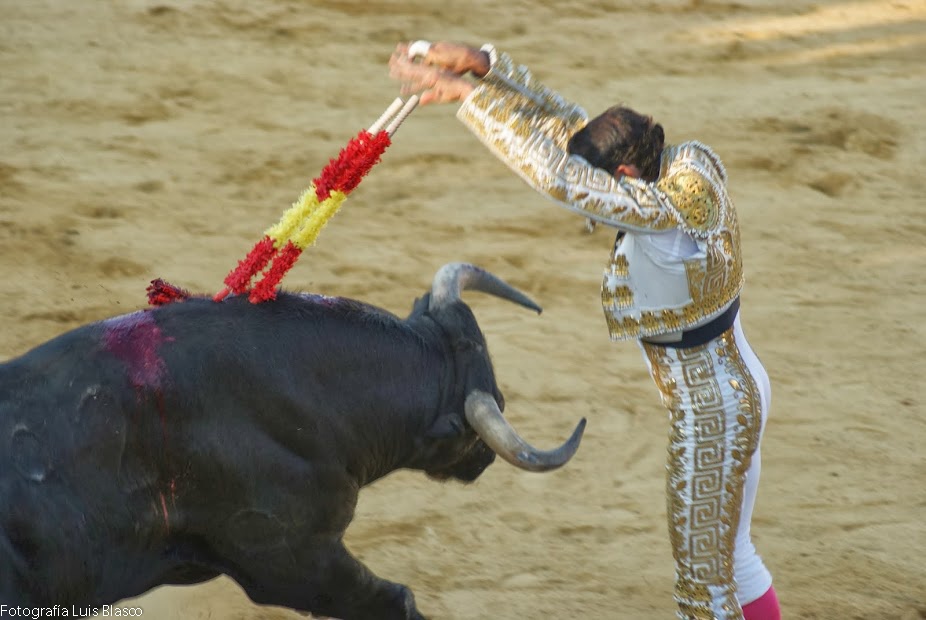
x=135 y=339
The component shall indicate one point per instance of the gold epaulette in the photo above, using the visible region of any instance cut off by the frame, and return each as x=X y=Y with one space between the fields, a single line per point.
x=694 y=197
x=693 y=180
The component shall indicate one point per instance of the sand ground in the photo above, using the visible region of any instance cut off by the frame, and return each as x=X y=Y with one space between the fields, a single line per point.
x=145 y=138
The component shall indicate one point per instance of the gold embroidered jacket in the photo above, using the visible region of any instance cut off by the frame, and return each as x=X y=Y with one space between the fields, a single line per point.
x=643 y=293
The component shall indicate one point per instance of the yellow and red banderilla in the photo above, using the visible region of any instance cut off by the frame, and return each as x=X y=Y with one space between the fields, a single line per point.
x=284 y=242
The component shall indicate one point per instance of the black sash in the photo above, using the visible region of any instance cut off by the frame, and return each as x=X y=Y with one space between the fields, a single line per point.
x=705 y=333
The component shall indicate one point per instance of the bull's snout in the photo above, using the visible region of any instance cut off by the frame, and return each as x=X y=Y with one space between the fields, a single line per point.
x=468 y=468
x=478 y=461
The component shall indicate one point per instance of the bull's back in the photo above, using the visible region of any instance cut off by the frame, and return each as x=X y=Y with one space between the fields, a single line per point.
x=301 y=349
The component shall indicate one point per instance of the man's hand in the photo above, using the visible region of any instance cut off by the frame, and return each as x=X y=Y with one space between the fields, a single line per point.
x=457 y=58
x=437 y=76
x=433 y=85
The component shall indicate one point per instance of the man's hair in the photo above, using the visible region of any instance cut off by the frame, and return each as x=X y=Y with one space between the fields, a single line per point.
x=618 y=136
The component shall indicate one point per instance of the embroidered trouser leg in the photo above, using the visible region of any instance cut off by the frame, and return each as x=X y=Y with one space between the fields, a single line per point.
x=717 y=395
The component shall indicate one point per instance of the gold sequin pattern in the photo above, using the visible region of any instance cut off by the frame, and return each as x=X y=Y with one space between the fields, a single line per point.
x=505 y=75
x=671 y=320
x=622 y=328
x=744 y=385
x=694 y=182
x=694 y=197
x=617 y=297
x=619 y=268
x=649 y=321
x=715 y=421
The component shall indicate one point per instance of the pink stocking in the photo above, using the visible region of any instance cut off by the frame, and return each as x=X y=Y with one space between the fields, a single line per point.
x=763 y=608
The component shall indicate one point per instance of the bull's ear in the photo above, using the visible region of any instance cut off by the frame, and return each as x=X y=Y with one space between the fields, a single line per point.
x=446 y=426
x=421 y=305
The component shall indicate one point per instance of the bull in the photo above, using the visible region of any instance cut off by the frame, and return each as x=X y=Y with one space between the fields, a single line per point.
x=199 y=438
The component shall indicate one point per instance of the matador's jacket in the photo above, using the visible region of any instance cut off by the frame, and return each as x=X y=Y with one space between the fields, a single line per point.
x=527 y=126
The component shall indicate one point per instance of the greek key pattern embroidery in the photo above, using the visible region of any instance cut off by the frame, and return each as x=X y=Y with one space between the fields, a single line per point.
x=533 y=146
x=714 y=414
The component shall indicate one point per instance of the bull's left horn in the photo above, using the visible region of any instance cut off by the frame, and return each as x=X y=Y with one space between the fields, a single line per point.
x=453 y=278
x=486 y=418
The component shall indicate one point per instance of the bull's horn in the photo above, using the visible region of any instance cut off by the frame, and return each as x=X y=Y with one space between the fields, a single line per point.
x=484 y=416
x=451 y=279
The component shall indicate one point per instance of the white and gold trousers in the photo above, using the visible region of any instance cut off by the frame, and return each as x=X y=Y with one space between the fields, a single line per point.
x=718 y=396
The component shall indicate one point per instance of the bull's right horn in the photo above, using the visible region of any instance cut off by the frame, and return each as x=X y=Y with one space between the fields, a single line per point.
x=486 y=418
x=453 y=278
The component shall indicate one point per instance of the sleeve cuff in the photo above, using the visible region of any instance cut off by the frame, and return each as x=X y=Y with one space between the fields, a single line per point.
x=493 y=55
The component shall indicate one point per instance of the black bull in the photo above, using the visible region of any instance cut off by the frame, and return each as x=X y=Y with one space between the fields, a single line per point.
x=195 y=439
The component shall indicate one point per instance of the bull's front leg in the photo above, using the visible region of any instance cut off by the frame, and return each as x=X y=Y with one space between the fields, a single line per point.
x=330 y=582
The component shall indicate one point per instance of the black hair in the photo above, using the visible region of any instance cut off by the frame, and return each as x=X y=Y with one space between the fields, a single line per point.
x=618 y=136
